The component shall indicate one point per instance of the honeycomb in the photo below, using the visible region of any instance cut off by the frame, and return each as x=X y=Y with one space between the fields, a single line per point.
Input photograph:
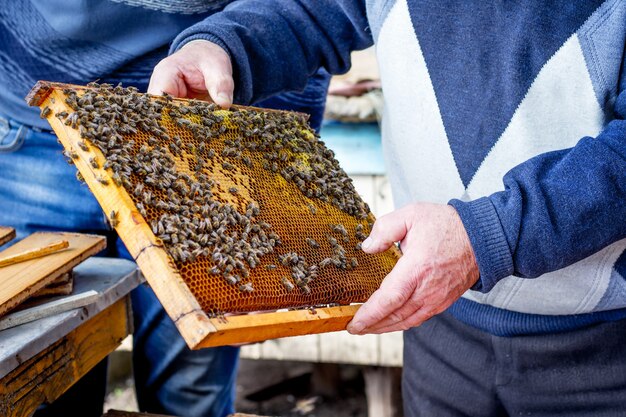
x=252 y=208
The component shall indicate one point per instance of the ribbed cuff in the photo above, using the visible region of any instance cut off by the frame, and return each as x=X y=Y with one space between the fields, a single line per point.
x=180 y=42
x=499 y=322
x=488 y=240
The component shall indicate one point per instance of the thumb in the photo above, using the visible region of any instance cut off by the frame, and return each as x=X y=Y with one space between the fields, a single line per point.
x=387 y=230
x=167 y=78
x=393 y=293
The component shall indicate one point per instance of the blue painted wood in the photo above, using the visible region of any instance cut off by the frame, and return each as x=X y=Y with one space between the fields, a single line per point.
x=357 y=146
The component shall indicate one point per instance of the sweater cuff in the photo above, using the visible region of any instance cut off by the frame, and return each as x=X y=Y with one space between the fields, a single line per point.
x=488 y=240
x=181 y=41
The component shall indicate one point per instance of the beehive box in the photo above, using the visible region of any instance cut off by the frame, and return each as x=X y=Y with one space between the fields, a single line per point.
x=242 y=221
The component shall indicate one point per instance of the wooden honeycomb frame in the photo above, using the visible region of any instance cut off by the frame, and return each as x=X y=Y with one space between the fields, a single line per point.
x=197 y=328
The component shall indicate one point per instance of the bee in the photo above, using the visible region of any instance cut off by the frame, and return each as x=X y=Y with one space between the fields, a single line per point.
x=102 y=180
x=79 y=176
x=72 y=120
x=45 y=112
x=228 y=166
x=233 y=190
x=354 y=262
x=94 y=162
x=61 y=114
x=247 y=287
x=117 y=179
x=113 y=218
x=341 y=230
x=312 y=243
x=142 y=210
x=287 y=284
x=83 y=145
x=138 y=190
x=232 y=279
x=270 y=267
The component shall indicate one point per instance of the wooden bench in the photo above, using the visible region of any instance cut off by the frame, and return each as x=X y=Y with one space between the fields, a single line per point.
x=40 y=360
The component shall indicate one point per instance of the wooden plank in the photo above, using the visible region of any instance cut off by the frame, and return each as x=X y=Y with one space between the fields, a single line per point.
x=46 y=309
x=60 y=286
x=43 y=378
x=343 y=347
x=6 y=234
x=383 y=197
x=391 y=348
x=297 y=348
x=111 y=278
x=364 y=185
x=20 y=281
x=34 y=253
x=382 y=388
x=251 y=351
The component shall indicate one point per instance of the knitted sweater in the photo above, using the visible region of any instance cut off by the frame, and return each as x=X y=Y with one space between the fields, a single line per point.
x=513 y=112
x=77 y=41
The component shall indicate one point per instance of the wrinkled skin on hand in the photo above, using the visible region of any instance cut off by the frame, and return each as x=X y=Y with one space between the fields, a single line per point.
x=437 y=266
x=200 y=70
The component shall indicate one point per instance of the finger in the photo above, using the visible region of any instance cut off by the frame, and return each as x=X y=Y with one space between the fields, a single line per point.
x=398 y=317
x=394 y=291
x=387 y=230
x=167 y=78
x=414 y=320
x=218 y=78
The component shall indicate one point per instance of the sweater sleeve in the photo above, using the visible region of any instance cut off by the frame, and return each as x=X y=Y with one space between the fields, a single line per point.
x=276 y=46
x=556 y=209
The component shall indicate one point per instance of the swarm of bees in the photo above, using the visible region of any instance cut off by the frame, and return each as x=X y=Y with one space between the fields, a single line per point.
x=181 y=208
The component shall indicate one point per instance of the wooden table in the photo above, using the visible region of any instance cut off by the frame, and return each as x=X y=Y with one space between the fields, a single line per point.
x=40 y=360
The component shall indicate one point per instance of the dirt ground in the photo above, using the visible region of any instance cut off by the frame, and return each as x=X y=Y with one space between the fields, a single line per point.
x=273 y=388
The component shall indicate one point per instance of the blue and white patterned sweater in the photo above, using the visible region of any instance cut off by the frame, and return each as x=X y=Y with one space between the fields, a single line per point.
x=513 y=110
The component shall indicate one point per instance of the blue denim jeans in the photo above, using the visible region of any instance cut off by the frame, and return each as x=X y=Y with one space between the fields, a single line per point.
x=39 y=191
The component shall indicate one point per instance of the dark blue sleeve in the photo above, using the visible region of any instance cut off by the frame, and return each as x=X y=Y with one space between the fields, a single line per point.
x=557 y=208
x=311 y=100
x=277 y=45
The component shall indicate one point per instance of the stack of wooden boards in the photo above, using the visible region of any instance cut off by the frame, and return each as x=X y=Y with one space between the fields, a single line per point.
x=41 y=286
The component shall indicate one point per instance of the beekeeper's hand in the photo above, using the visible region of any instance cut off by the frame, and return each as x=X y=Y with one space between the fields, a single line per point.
x=437 y=266
x=200 y=69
